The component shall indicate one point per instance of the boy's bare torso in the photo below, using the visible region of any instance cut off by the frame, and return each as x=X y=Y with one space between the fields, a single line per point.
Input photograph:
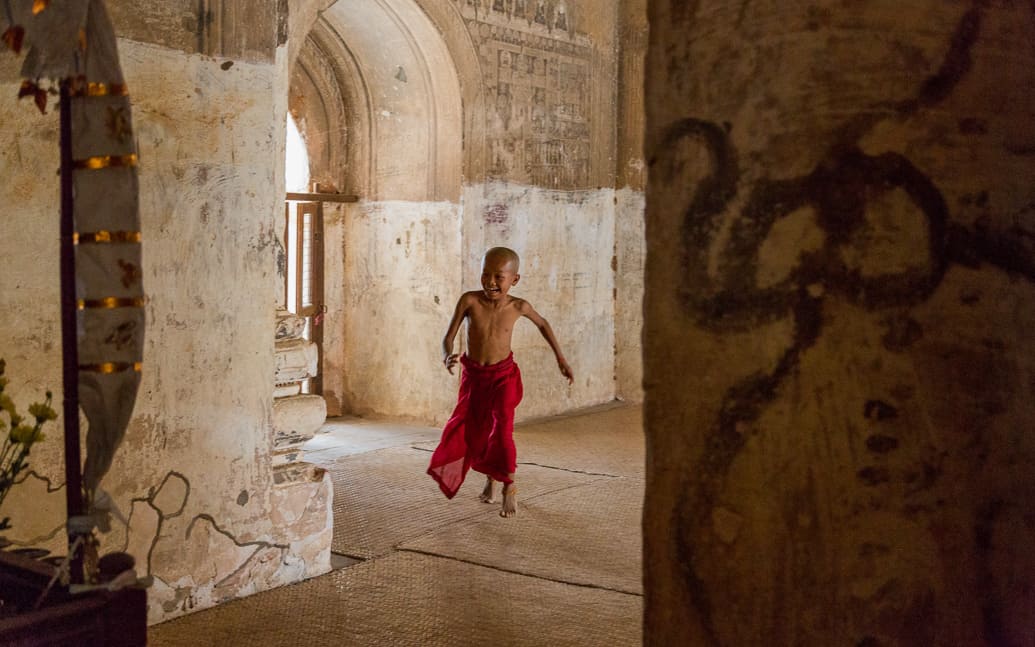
x=490 y=326
x=491 y=313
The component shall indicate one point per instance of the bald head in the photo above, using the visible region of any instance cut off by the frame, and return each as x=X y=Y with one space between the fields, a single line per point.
x=503 y=254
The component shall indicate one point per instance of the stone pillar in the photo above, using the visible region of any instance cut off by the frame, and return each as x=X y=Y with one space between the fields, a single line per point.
x=839 y=354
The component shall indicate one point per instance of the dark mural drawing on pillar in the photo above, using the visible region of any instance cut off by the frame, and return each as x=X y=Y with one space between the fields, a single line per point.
x=838 y=191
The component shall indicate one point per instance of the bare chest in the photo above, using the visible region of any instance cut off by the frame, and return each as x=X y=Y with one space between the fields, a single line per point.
x=485 y=323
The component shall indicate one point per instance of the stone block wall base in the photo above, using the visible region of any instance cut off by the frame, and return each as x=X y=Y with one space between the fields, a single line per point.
x=301 y=508
x=297 y=419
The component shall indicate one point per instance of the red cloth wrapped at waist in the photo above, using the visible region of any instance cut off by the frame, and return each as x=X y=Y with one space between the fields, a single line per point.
x=480 y=433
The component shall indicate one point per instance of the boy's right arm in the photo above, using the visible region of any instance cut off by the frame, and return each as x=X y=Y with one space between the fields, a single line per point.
x=449 y=358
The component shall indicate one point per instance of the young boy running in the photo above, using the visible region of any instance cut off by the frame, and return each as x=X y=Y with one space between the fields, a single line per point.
x=480 y=433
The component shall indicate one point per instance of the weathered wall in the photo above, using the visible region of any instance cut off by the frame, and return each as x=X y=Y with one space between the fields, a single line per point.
x=194 y=476
x=400 y=275
x=839 y=304
x=241 y=30
x=403 y=273
x=549 y=72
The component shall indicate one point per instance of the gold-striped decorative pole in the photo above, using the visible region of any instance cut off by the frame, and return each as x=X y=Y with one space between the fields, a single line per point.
x=73 y=46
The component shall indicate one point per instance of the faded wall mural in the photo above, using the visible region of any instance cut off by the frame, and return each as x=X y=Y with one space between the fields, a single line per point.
x=537 y=77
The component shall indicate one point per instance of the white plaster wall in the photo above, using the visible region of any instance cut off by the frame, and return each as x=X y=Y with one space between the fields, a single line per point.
x=194 y=472
x=207 y=186
x=401 y=279
x=405 y=265
x=565 y=240
x=630 y=249
x=211 y=142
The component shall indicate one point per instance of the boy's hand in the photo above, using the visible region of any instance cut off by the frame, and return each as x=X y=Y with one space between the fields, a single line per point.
x=566 y=371
x=449 y=360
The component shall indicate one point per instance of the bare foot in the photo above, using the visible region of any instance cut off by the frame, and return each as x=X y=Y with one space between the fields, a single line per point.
x=509 y=508
x=487 y=496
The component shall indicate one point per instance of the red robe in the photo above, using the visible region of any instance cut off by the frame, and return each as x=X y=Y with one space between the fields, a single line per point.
x=480 y=433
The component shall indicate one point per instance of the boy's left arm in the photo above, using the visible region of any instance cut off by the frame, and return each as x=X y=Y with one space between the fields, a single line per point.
x=543 y=325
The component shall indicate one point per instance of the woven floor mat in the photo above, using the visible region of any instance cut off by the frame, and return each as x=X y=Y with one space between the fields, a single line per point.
x=602 y=442
x=408 y=599
x=383 y=498
x=589 y=534
x=345 y=436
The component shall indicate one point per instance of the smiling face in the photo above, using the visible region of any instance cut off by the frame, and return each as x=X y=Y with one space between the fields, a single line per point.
x=499 y=274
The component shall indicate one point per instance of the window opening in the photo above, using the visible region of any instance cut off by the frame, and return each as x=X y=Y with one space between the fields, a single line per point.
x=303 y=241
x=303 y=232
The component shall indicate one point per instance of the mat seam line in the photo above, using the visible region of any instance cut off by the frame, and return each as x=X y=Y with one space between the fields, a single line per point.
x=564 y=469
x=513 y=572
x=549 y=467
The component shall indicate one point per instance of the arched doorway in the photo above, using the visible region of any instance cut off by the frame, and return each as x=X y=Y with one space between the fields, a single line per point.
x=378 y=102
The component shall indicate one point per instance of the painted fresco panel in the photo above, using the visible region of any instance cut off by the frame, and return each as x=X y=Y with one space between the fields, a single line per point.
x=538 y=75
